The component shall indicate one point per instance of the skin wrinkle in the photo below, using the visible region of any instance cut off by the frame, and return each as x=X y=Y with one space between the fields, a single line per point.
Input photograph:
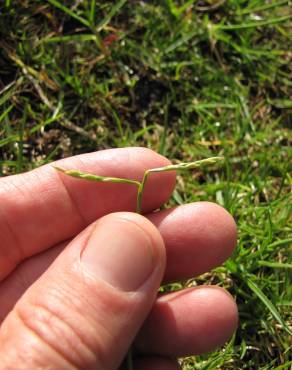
x=77 y=302
x=107 y=297
x=59 y=327
x=41 y=340
x=23 y=357
x=120 y=306
x=83 y=279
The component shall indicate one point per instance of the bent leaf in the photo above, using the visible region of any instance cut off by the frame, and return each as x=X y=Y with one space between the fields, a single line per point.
x=97 y=178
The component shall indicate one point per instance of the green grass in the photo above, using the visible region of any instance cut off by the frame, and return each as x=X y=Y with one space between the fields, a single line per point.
x=189 y=79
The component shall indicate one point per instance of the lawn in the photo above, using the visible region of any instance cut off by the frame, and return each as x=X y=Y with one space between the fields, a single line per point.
x=189 y=79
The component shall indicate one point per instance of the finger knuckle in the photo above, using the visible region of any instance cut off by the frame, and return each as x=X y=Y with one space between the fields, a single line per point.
x=56 y=326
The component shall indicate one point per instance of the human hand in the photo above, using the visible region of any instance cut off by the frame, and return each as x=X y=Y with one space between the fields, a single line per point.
x=80 y=303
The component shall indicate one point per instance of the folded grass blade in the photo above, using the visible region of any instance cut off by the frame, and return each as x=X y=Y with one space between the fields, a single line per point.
x=140 y=185
x=91 y=177
x=173 y=167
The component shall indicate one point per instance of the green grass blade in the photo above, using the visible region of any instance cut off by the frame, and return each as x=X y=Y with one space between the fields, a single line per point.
x=284 y=366
x=181 y=41
x=265 y=7
x=68 y=11
x=5 y=113
x=279 y=242
x=91 y=177
x=92 y=12
x=187 y=166
x=276 y=264
x=68 y=38
x=269 y=305
x=9 y=139
x=114 y=10
x=6 y=93
x=267 y=22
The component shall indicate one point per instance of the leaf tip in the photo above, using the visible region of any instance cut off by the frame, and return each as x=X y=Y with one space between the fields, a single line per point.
x=60 y=169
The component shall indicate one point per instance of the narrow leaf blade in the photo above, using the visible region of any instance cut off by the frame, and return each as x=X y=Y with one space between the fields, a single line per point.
x=270 y=306
x=187 y=166
x=97 y=178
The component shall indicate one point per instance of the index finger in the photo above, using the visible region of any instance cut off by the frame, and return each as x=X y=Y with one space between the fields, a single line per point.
x=43 y=207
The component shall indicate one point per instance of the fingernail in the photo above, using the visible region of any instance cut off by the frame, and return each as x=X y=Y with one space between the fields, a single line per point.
x=120 y=252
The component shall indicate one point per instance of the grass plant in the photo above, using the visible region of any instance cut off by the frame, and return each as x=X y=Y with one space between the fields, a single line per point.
x=187 y=79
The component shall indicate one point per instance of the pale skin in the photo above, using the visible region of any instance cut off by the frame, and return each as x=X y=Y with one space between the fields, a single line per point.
x=80 y=271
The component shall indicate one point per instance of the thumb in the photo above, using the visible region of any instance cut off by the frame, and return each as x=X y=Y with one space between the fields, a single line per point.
x=86 y=309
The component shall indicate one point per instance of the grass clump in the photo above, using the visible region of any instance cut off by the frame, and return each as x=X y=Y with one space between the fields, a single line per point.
x=187 y=79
